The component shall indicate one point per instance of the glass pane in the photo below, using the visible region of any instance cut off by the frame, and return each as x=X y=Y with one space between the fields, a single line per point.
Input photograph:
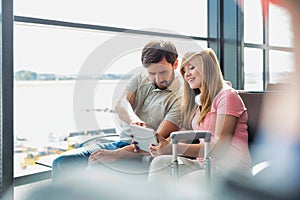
x=281 y=66
x=46 y=49
x=253 y=21
x=174 y=15
x=280 y=27
x=44 y=59
x=253 y=69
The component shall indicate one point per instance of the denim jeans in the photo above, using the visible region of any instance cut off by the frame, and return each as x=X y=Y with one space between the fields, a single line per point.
x=76 y=160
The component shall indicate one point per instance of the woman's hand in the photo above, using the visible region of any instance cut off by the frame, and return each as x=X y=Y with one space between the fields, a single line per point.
x=136 y=148
x=163 y=148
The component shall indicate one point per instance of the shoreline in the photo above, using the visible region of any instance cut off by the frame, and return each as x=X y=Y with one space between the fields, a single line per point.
x=60 y=82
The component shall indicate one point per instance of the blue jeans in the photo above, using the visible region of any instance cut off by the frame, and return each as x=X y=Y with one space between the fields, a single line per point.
x=77 y=159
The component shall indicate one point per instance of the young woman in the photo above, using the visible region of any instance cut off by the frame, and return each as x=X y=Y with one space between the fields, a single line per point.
x=220 y=110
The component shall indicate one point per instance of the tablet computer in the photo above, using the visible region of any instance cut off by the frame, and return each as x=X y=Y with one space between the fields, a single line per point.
x=144 y=136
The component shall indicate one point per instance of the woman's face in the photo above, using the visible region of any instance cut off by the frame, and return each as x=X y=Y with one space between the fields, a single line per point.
x=192 y=76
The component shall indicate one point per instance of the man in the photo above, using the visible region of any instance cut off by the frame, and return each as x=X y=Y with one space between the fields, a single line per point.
x=151 y=99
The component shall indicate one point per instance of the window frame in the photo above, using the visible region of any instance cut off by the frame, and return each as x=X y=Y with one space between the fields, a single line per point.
x=265 y=46
x=6 y=102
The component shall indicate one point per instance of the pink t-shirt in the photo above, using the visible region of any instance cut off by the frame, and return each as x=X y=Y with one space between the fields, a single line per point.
x=228 y=102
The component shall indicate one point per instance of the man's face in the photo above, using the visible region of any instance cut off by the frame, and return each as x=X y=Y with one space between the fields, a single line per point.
x=161 y=74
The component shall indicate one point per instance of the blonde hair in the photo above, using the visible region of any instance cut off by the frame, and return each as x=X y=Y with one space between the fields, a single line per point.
x=212 y=82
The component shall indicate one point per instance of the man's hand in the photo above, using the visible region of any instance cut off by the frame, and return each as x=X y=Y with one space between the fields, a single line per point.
x=104 y=156
x=140 y=123
x=112 y=155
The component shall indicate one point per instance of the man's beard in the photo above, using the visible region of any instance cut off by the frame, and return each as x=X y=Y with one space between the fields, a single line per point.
x=164 y=85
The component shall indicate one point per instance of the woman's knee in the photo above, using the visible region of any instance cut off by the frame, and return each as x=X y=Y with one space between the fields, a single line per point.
x=160 y=162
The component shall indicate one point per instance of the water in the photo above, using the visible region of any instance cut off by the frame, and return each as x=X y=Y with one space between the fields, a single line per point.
x=45 y=107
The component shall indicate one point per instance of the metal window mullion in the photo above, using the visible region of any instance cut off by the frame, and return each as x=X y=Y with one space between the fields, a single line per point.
x=6 y=143
x=266 y=51
x=221 y=34
x=240 y=46
x=39 y=21
x=214 y=21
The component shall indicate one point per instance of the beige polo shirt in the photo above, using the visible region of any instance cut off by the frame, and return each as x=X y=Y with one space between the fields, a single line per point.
x=153 y=105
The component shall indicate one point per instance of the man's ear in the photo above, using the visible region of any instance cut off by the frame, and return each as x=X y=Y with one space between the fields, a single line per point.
x=175 y=64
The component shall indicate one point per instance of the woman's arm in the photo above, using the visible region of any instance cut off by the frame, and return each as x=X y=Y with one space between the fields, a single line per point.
x=164 y=147
x=225 y=128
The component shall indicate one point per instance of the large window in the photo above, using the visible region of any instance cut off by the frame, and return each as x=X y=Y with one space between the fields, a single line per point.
x=268 y=41
x=55 y=40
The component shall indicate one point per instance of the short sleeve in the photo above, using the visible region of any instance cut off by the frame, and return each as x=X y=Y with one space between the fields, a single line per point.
x=133 y=84
x=136 y=80
x=230 y=103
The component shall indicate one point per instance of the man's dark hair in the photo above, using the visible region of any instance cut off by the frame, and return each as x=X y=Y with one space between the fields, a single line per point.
x=155 y=50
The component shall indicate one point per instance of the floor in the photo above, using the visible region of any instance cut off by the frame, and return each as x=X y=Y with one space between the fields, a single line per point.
x=20 y=192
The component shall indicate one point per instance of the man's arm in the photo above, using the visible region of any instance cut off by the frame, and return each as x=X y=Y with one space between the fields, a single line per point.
x=124 y=108
x=166 y=128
